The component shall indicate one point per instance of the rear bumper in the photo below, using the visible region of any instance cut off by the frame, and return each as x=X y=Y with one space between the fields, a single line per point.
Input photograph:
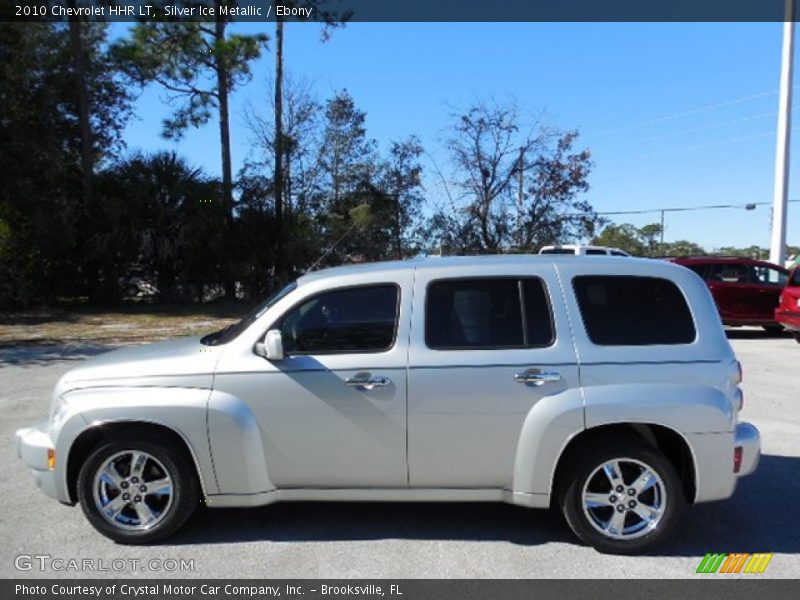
x=789 y=319
x=748 y=438
x=32 y=445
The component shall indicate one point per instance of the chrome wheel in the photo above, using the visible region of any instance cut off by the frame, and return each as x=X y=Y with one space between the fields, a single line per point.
x=133 y=490
x=624 y=498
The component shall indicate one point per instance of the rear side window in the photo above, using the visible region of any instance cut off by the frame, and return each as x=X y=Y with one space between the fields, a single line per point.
x=470 y=314
x=633 y=311
x=592 y=252
x=700 y=269
x=557 y=251
x=794 y=281
x=730 y=273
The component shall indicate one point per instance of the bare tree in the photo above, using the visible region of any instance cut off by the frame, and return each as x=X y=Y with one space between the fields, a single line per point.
x=522 y=181
x=302 y=115
x=485 y=146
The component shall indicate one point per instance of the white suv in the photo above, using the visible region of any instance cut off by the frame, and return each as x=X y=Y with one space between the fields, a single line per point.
x=605 y=387
x=580 y=250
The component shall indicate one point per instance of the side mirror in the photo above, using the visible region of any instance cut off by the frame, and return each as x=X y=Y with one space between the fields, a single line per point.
x=272 y=348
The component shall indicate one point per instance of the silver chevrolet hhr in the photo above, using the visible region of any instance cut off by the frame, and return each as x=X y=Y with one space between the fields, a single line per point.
x=604 y=386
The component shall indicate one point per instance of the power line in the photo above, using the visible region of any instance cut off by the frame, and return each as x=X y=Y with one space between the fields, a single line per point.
x=710 y=126
x=644 y=211
x=685 y=113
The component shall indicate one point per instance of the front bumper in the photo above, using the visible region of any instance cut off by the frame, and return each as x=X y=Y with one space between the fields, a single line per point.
x=747 y=436
x=32 y=445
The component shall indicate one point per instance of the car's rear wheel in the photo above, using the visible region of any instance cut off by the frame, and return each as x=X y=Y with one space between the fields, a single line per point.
x=138 y=489
x=622 y=498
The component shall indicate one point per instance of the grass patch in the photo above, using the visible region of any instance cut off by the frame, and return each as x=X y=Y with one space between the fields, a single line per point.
x=128 y=324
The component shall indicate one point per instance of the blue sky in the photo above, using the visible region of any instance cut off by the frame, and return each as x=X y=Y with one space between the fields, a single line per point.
x=675 y=114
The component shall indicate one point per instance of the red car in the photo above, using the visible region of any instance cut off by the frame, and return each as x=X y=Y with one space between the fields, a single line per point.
x=788 y=311
x=746 y=291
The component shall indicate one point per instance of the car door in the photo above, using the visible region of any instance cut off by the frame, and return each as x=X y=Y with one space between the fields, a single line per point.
x=332 y=412
x=488 y=347
x=736 y=297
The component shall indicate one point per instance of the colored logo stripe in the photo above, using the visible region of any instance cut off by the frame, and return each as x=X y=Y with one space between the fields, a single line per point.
x=734 y=563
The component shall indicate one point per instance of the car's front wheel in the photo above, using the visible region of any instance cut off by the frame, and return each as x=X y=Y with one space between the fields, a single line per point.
x=137 y=489
x=622 y=498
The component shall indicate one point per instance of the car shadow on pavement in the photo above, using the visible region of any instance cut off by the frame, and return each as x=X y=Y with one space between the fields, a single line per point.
x=749 y=333
x=759 y=518
x=362 y=521
x=762 y=516
x=28 y=355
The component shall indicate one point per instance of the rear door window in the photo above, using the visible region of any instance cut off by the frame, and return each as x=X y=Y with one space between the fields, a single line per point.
x=471 y=314
x=633 y=311
x=764 y=275
x=730 y=273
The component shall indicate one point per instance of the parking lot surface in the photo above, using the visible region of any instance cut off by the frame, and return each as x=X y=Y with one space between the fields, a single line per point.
x=409 y=540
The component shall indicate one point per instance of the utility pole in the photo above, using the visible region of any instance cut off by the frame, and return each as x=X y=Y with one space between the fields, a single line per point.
x=777 y=252
x=521 y=196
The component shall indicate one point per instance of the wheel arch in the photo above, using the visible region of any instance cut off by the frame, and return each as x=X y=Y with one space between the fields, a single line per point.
x=98 y=432
x=667 y=440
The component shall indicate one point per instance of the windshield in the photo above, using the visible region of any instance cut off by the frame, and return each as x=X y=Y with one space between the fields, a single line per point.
x=231 y=332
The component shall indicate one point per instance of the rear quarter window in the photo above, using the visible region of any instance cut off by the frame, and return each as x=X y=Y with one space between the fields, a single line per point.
x=633 y=311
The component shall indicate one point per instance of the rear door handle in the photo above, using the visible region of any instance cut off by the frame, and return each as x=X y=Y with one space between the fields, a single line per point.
x=367 y=381
x=535 y=377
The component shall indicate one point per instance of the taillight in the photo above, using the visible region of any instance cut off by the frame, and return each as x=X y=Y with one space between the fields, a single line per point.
x=737 y=459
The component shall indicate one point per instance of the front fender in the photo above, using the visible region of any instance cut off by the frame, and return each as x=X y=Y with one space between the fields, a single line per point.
x=238 y=446
x=183 y=410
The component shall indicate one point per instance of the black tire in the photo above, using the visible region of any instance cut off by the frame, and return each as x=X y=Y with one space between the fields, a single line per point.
x=592 y=458
x=797 y=336
x=772 y=329
x=185 y=489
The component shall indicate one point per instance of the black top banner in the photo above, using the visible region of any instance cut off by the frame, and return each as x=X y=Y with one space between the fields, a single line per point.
x=400 y=10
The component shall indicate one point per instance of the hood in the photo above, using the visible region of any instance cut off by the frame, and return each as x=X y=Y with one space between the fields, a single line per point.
x=182 y=361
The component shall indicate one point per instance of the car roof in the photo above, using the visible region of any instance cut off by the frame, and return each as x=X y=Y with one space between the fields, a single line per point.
x=443 y=262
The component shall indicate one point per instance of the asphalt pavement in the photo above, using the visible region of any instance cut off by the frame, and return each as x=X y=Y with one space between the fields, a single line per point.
x=333 y=540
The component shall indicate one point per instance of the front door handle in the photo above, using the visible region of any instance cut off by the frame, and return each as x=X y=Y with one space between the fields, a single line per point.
x=367 y=381
x=537 y=377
